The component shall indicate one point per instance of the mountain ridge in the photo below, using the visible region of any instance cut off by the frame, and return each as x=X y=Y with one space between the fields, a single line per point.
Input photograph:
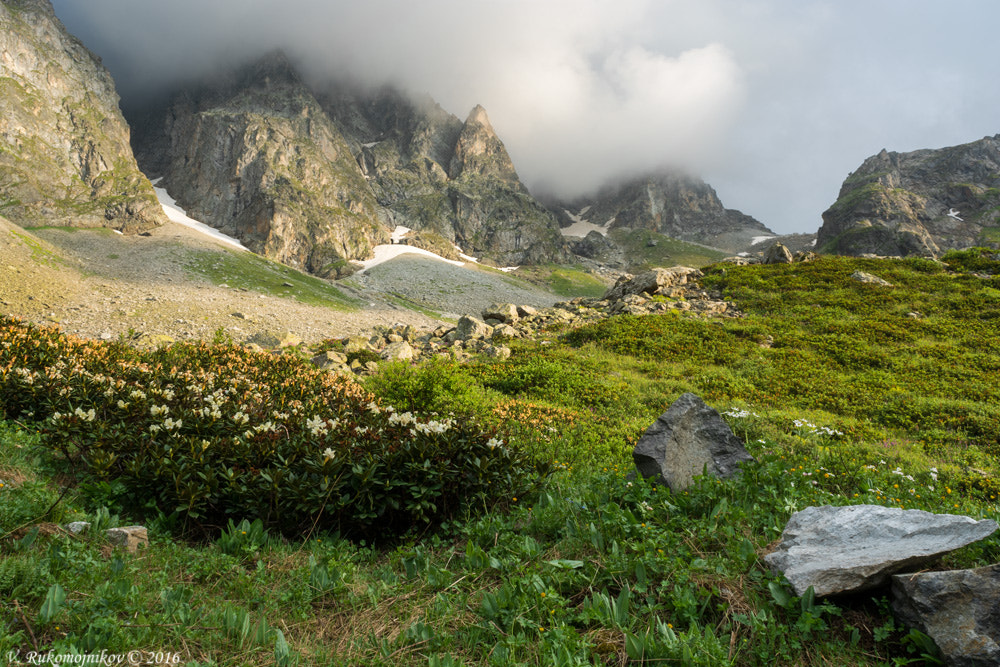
x=921 y=202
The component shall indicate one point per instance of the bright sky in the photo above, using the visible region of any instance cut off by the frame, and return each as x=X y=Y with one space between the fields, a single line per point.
x=773 y=102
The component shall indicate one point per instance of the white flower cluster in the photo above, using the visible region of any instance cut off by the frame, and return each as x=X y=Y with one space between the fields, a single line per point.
x=172 y=425
x=87 y=416
x=27 y=375
x=435 y=427
x=402 y=418
x=493 y=443
x=739 y=413
x=899 y=471
x=267 y=426
x=329 y=454
x=137 y=395
x=317 y=426
x=822 y=430
x=374 y=408
x=241 y=418
x=157 y=410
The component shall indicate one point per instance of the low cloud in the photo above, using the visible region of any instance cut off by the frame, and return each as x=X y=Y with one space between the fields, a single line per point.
x=772 y=101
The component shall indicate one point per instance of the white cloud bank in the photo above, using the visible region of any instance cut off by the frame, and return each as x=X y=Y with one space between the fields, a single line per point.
x=771 y=101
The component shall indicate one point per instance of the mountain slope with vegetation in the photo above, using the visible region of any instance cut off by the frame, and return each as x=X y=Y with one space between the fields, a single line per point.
x=846 y=392
x=64 y=145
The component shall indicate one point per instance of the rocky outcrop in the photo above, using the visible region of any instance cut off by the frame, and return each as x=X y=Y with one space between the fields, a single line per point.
x=688 y=440
x=918 y=203
x=855 y=548
x=671 y=203
x=258 y=158
x=315 y=179
x=65 y=157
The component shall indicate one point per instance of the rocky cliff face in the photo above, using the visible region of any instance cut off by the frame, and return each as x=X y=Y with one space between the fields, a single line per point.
x=256 y=157
x=918 y=203
x=671 y=203
x=447 y=179
x=315 y=179
x=65 y=157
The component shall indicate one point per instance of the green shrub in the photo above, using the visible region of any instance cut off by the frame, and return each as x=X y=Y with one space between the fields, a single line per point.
x=218 y=432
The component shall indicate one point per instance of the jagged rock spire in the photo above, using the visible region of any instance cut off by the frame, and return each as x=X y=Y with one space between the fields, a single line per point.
x=479 y=151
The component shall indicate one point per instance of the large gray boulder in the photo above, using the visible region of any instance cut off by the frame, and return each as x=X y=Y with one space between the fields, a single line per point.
x=470 y=328
x=959 y=610
x=855 y=548
x=689 y=439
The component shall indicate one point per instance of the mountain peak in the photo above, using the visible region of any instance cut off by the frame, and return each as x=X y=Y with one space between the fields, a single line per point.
x=478 y=115
x=479 y=151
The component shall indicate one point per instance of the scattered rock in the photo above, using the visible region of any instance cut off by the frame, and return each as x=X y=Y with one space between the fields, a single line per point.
x=77 y=527
x=689 y=439
x=469 y=327
x=855 y=548
x=504 y=312
x=130 y=537
x=778 y=254
x=398 y=351
x=656 y=281
x=959 y=610
x=869 y=279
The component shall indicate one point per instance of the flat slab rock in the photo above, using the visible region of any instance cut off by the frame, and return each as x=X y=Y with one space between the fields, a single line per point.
x=858 y=547
x=959 y=610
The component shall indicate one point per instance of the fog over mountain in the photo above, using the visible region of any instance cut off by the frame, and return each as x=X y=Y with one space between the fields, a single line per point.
x=773 y=102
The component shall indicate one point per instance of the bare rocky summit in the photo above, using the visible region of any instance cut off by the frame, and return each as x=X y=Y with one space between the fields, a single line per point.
x=918 y=203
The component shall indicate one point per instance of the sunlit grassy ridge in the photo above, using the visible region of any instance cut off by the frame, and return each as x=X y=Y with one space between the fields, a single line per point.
x=844 y=392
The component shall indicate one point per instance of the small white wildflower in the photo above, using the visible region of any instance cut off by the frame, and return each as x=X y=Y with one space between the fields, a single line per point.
x=241 y=417
x=373 y=408
x=87 y=416
x=154 y=428
x=137 y=395
x=171 y=425
x=122 y=404
x=156 y=410
x=329 y=454
x=493 y=443
x=360 y=429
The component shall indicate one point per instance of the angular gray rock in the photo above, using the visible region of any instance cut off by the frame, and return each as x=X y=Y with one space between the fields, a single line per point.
x=504 y=312
x=469 y=327
x=688 y=439
x=869 y=279
x=959 y=610
x=855 y=548
x=130 y=537
x=401 y=351
x=778 y=254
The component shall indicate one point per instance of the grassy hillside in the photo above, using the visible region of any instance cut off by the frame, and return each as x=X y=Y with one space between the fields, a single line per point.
x=541 y=552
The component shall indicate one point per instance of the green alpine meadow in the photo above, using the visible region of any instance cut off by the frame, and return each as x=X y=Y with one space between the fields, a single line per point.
x=480 y=511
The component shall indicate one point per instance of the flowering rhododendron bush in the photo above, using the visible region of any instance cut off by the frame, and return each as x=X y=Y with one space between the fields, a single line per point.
x=213 y=432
